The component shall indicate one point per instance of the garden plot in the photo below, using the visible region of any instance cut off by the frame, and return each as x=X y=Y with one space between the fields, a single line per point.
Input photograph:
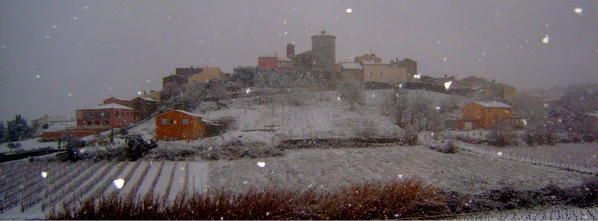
x=327 y=169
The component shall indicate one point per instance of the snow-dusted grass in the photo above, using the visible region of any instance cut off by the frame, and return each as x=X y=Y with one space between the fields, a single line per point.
x=330 y=168
x=28 y=144
x=306 y=115
x=577 y=157
x=545 y=213
x=88 y=180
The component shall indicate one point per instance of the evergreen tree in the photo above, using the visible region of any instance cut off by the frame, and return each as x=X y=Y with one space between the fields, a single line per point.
x=2 y=132
x=18 y=129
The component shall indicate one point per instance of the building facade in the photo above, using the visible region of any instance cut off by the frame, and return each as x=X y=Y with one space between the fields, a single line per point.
x=180 y=125
x=371 y=58
x=267 y=62
x=484 y=115
x=384 y=73
x=145 y=107
x=106 y=116
x=207 y=74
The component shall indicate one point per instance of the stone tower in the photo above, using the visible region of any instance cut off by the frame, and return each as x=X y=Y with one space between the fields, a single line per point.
x=323 y=49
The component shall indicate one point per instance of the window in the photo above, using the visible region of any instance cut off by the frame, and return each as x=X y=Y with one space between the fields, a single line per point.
x=164 y=122
x=185 y=121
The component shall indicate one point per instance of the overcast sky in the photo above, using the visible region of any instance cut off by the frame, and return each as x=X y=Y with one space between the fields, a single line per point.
x=57 y=56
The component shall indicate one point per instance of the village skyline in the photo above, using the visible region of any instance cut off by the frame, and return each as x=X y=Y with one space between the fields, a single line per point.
x=120 y=49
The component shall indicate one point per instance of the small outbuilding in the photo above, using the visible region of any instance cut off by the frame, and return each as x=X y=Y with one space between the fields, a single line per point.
x=182 y=125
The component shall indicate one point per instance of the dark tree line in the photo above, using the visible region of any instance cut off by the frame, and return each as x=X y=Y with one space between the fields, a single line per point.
x=15 y=130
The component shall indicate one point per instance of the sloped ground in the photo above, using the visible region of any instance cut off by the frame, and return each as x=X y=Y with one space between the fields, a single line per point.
x=327 y=169
x=546 y=213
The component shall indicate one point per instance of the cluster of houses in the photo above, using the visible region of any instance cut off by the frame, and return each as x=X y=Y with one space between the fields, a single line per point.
x=113 y=113
x=175 y=124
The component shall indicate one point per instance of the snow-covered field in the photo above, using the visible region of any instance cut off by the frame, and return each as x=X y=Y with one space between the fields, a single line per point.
x=322 y=169
x=581 y=157
x=307 y=114
x=547 y=213
x=25 y=191
x=330 y=168
x=28 y=144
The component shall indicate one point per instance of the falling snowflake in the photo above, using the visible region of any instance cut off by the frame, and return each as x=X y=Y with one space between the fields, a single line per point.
x=416 y=76
x=85 y=7
x=546 y=39
x=138 y=92
x=109 y=88
x=338 y=98
x=284 y=22
x=445 y=59
x=437 y=42
x=44 y=174
x=37 y=76
x=75 y=18
x=119 y=183
x=499 y=153
x=437 y=108
x=400 y=176
x=54 y=26
x=373 y=95
x=261 y=164
x=285 y=33
x=69 y=94
x=578 y=11
x=147 y=81
x=524 y=122
x=447 y=85
x=47 y=37
x=349 y=10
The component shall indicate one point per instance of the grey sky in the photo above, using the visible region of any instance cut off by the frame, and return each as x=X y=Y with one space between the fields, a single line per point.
x=86 y=47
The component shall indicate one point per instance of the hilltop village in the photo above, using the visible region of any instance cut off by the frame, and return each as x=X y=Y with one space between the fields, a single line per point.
x=316 y=69
x=306 y=121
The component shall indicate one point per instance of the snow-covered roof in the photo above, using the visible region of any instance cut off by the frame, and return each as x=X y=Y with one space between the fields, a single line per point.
x=148 y=99
x=372 y=62
x=112 y=106
x=118 y=98
x=58 y=118
x=188 y=113
x=593 y=114
x=494 y=104
x=350 y=66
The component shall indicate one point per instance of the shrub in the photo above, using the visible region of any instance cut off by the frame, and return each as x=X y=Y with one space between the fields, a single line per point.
x=447 y=147
x=390 y=200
